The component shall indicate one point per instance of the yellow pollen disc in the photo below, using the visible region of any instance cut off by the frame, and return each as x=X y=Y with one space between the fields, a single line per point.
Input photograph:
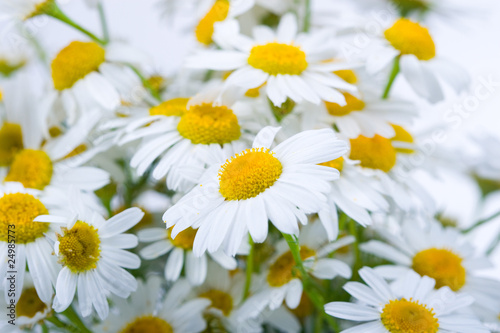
x=305 y=307
x=282 y=270
x=1 y=96
x=173 y=107
x=254 y=92
x=148 y=324
x=32 y=168
x=77 y=151
x=248 y=174
x=157 y=82
x=207 y=124
x=277 y=58
x=353 y=104
x=11 y=141
x=220 y=300
x=29 y=303
x=74 y=62
x=55 y=131
x=442 y=265
x=402 y=135
x=20 y=209
x=336 y=163
x=205 y=28
x=79 y=247
x=411 y=38
x=403 y=316
x=347 y=75
x=373 y=153
x=184 y=239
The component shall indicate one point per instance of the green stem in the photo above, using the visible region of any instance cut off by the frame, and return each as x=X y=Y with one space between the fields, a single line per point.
x=104 y=24
x=392 y=77
x=493 y=246
x=307 y=17
x=146 y=83
x=54 y=11
x=249 y=268
x=357 y=252
x=65 y=327
x=481 y=222
x=45 y=329
x=315 y=297
x=75 y=319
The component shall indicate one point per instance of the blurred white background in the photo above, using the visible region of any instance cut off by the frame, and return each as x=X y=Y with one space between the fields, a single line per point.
x=473 y=42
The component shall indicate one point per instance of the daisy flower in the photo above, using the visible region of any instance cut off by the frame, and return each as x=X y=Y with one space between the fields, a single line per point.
x=17 y=11
x=290 y=64
x=185 y=131
x=410 y=46
x=18 y=209
x=440 y=253
x=145 y=311
x=415 y=307
x=282 y=185
x=180 y=254
x=91 y=251
x=282 y=284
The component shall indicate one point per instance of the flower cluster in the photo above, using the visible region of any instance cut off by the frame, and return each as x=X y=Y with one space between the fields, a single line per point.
x=269 y=185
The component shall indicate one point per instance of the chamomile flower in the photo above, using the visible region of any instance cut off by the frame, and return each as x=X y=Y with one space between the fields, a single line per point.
x=18 y=11
x=440 y=253
x=283 y=285
x=91 y=251
x=291 y=65
x=411 y=46
x=18 y=209
x=184 y=131
x=282 y=185
x=148 y=310
x=415 y=307
x=180 y=254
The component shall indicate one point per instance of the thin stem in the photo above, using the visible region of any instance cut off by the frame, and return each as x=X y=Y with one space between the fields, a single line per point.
x=58 y=323
x=249 y=268
x=54 y=11
x=392 y=77
x=307 y=17
x=104 y=23
x=493 y=246
x=481 y=222
x=315 y=297
x=45 y=329
x=75 y=319
x=146 y=83
x=357 y=252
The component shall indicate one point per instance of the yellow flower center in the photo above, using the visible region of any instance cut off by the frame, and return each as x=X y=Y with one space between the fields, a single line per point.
x=336 y=163
x=157 y=82
x=248 y=174
x=373 y=153
x=402 y=135
x=276 y=58
x=282 y=270
x=403 y=316
x=41 y=8
x=79 y=247
x=411 y=38
x=7 y=67
x=220 y=300
x=173 y=107
x=254 y=92
x=32 y=168
x=353 y=104
x=442 y=265
x=148 y=324
x=205 y=28
x=184 y=239
x=11 y=141
x=20 y=209
x=29 y=303
x=74 y=62
x=347 y=75
x=207 y=124
x=305 y=307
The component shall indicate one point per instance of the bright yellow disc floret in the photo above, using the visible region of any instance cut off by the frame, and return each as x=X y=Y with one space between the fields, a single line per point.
x=79 y=247
x=248 y=174
x=74 y=62
x=277 y=58
x=205 y=28
x=337 y=163
x=207 y=124
x=373 y=153
x=282 y=270
x=442 y=265
x=20 y=209
x=32 y=168
x=29 y=304
x=149 y=324
x=353 y=104
x=220 y=300
x=408 y=316
x=184 y=239
x=409 y=37
x=402 y=135
x=11 y=142
x=173 y=107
